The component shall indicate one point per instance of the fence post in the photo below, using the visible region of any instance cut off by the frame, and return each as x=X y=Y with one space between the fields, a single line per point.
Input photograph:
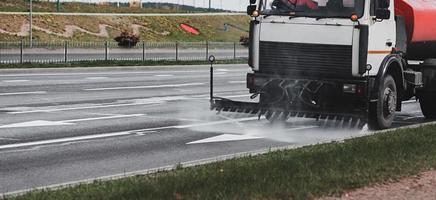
x=177 y=51
x=234 y=50
x=207 y=50
x=66 y=51
x=143 y=51
x=21 y=51
x=106 y=50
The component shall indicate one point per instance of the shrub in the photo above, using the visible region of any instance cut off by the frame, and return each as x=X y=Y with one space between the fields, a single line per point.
x=127 y=39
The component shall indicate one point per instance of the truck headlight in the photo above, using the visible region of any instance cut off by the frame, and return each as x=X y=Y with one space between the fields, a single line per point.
x=350 y=88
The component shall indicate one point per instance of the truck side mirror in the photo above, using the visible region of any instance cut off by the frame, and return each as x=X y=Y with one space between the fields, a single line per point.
x=252 y=1
x=251 y=9
x=383 y=14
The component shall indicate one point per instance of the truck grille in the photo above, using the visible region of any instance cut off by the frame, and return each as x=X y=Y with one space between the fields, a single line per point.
x=298 y=60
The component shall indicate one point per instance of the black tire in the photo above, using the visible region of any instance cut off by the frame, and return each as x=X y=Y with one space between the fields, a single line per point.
x=382 y=112
x=428 y=105
x=427 y=95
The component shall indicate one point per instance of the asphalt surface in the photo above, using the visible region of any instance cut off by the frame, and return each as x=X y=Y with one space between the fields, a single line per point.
x=64 y=125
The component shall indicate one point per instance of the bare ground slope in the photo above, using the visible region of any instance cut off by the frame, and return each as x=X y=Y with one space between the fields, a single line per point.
x=422 y=187
x=101 y=28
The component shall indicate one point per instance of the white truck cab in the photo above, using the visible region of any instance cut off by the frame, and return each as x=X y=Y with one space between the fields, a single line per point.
x=337 y=59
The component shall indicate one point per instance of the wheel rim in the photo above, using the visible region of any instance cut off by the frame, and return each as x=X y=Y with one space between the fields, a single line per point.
x=390 y=102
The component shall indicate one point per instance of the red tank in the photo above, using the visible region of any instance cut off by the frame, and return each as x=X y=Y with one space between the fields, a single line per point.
x=420 y=18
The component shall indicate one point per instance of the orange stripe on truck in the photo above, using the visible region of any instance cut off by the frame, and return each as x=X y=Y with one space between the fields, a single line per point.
x=380 y=52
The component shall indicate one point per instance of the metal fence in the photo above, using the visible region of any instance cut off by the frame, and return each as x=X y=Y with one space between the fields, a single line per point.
x=58 y=52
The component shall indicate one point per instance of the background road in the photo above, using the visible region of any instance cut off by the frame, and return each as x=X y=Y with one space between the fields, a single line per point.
x=57 y=54
x=63 y=125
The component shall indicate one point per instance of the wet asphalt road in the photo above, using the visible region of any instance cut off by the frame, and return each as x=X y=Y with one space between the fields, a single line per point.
x=64 y=125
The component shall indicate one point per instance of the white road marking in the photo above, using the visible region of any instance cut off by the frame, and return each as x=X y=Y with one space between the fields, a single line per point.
x=216 y=122
x=9 y=139
x=41 y=123
x=164 y=75
x=22 y=93
x=142 y=133
x=232 y=137
x=236 y=82
x=71 y=139
x=102 y=118
x=79 y=108
x=133 y=132
x=302 y=128
x=15 y=81
x=36 y=123
x=225 y=138
x=147 y=87
x=96 y=78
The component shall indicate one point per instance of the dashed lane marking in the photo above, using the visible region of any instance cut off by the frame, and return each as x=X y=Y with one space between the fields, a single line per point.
x=164 y=75
x=15 y=81
x=79 y=108
x=96 y=78
x=22 y=93
x=237 y=82
x=147 y=87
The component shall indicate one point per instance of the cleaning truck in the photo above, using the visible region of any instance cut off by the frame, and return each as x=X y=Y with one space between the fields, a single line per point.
x=350 y=61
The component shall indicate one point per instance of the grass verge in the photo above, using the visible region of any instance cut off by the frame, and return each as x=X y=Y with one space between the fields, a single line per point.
x=115 y=63
x=303 y=173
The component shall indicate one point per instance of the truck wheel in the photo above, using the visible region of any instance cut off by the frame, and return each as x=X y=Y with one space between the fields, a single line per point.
x=382 y=112
x=428 y=94
x=428 y=106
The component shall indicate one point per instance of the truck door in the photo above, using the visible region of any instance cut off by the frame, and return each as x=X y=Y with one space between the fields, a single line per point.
x=381 y=33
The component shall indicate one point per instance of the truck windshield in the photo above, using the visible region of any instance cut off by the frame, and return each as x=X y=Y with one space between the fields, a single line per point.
x=313 y=8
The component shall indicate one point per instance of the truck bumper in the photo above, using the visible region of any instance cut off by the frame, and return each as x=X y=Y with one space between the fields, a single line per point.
x=321 y=99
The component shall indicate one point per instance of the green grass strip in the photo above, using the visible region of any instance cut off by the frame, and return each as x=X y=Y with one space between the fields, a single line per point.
x=115 y=63
x=304 y=173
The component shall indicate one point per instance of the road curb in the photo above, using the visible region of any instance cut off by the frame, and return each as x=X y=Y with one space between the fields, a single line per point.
x=197 y=163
